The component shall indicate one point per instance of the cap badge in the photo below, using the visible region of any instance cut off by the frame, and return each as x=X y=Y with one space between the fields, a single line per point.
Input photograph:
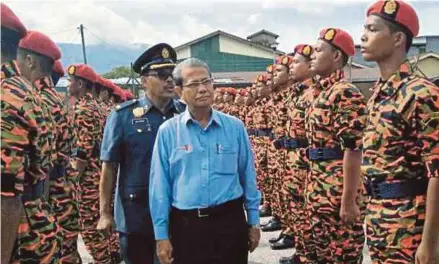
x=72 y=70
x=285 y=60
x=138 y=112
x=165 y=53
x=306 y=50
x=270 y=69
x=390 y=7
x=329 y=35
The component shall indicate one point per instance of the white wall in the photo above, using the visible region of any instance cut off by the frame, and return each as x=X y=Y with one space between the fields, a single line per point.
x=229 y=45
x=184 y=53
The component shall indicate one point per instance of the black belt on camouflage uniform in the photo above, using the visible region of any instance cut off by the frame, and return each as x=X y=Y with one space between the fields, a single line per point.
x=33 y=192
x=265 y=132
x=56 y=172
x=321 y=154
x=290 y=143
x=251 y=132
x=396 y=190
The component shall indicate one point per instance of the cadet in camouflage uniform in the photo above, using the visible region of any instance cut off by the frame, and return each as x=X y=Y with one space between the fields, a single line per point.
x=277 y=108
x=401 y=143
x=229 y=99
x=261 y=141
x=45 y=52
x=240 y=104
x=26 y=141
x=297 y=165
x=219 y=105
x=334 y=127
x=89 y=133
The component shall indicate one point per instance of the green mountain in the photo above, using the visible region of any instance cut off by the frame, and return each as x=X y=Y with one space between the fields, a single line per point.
x=101 y=57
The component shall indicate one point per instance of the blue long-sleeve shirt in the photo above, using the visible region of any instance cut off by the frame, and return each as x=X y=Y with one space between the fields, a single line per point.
x=195 y=168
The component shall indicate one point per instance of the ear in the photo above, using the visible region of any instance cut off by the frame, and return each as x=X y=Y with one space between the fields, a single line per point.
x=338 y=56
x=144 y=81
x=399 y=38
x=30 y=60
x=178 y=90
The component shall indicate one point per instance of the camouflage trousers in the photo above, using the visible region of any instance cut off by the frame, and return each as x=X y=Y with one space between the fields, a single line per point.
x=276 y=172
x=38 y=236
x=394 y=228
x=96 y=242
x=297 y=216
x=335 y=241
x=65 y=210
x=260 y=149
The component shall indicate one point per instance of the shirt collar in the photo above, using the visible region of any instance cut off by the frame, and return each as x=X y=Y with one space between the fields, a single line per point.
x=329 y=81
x=390 y=86
x=10 y=69
x=43 y=83
x=147 y=104
x=214 y=118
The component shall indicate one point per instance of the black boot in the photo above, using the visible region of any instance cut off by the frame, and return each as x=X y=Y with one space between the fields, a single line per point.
x=273 y=225
x=286 y=242
x=265 y=211
x=276 y=239
x=290 y=260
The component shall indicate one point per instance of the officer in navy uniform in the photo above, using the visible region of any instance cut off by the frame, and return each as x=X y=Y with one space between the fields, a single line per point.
x=129 y=136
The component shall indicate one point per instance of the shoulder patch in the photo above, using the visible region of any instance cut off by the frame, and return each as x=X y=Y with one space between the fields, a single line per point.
x=126 y=104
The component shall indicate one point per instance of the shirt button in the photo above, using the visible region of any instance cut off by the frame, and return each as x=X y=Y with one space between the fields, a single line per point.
x=164 y=118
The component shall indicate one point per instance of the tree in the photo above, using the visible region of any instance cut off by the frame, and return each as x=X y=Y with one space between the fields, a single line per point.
x=119 y=72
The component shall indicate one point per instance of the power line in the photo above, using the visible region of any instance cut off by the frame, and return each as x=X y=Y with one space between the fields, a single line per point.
x=62 y=31
x=103 y=40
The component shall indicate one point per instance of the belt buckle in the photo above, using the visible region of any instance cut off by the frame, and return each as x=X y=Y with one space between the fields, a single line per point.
x=375 y=190
x=200 y=214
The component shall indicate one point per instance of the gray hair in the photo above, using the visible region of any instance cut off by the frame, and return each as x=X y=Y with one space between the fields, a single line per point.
x=190 y=63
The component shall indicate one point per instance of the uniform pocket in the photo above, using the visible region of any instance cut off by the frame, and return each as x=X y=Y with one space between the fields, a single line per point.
x=225 y=159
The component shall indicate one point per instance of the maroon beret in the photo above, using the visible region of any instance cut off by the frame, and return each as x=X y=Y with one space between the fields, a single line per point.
x=340 y=39
x=58 y=68
x=398 y=12
x=83 y=71
x=41 y=44
x=304 y=50
x=11 y=21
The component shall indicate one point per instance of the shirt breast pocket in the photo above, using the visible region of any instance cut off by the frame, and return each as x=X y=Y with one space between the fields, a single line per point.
x=226 y=159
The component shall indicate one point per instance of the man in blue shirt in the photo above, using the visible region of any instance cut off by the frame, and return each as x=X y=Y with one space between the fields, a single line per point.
x=202 y=176
x=127 y=144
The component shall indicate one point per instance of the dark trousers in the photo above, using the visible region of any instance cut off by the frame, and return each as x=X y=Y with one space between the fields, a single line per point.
x=219 y=239
x=137 y=248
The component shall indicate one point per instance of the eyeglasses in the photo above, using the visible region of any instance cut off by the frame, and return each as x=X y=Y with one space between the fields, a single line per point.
x=195 y=85
x=161 y=74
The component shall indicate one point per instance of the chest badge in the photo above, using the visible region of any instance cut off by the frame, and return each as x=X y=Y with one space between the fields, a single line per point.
x=138 y=112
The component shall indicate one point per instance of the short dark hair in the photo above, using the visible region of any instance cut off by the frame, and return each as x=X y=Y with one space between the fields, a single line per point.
x=45 y=63
x=398 y=28
x=345 y=57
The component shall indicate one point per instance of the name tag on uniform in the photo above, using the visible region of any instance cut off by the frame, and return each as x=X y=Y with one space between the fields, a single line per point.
x=140 y=121
x=187 y=148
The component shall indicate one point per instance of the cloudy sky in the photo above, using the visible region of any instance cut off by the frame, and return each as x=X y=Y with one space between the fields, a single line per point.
x=121 y=23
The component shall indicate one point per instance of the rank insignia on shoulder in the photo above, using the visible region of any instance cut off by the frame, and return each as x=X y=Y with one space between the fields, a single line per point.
x=138 y=111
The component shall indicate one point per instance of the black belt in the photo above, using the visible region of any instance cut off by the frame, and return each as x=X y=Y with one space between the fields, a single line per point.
x=319 y=154
x=222 y=209
x=57 y=172
x=251 y=132
x=290 y=143
x=33 y=192
x=266 y=132
x=396 y=190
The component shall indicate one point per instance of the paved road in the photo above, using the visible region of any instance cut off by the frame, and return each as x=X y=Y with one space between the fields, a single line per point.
x=262 y=255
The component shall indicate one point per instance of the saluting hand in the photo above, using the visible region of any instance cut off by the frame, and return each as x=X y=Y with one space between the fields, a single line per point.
x=164 y=251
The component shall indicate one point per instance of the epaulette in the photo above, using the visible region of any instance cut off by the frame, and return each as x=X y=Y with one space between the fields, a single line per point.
x=126 y=104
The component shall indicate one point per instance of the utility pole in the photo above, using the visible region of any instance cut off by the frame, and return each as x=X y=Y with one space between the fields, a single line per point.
x=81 y=29
x=132 y=78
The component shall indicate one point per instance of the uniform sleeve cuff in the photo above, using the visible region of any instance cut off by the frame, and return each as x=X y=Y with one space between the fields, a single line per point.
x=109 y=156
x=161 y=233
x=253 y=217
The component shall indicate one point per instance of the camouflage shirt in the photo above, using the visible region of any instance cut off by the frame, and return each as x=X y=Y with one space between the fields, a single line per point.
x=337 y=116
x=261 y=115
x=278 y=111
x=88 y=127
x=64 y=139
x=402 y=130
x=26 y=138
